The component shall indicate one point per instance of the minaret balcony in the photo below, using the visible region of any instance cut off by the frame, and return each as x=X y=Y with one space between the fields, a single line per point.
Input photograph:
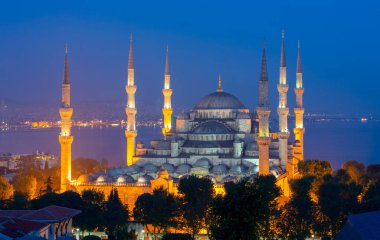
x=298 y=91
x=167 y=92
x=66 y=112
x=130 y=89
x=282 y=88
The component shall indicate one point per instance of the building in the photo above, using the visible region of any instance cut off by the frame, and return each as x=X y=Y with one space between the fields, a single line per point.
x=50 y=223
x=219 y=138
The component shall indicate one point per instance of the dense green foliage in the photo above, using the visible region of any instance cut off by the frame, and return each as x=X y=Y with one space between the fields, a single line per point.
x=246 y=209
x=195 y=197
x=159 y=209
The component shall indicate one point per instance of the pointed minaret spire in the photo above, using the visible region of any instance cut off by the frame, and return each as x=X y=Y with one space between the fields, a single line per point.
x=299 y=65
x=167 y=68
x=263 y=111
x=263 y=93
x=130 y=110
x=283 y=110
x=167 y=110
x=283 y=60
x=299 y=129
x=66 y=77
x=220 y=89
x=65 y=137
x=130 y=60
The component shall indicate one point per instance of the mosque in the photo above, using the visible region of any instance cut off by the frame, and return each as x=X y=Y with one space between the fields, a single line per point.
x=219 y=138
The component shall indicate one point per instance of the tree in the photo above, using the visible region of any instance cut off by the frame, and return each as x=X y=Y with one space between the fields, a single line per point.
x=20 y=201
x=159 y=209
x=123 y=232
x=116 y=214
x=356 y=171
x=337 y=197
x=92 y=216
x=245 y=211
x=87 y=165
x=317 y=168
x=6 y=189
x=373 y=171
x=371 y=197
x=25 y=184
x=49 y=185
x=196 y=195
x=297 y=215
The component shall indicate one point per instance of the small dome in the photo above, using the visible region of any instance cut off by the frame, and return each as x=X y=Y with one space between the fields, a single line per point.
x=85 y=178
x=163 y=173
x=220 y=100
x=104 y=179
x=183 y=168
x=202 y=162
x=219 y=169
x=144 y=179
x=212 y=127
x=125 y=179
x=238 y=169
x=149 y=168
x=168 y=167
x=130 y=170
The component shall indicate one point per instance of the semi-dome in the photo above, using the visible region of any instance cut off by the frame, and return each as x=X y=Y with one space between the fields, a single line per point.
x=168 y=167
x=85 y=178
x=220 y=100
x=220 y=169
x=202 y=162
x=144 y=179
x=149 y=168
x=238 y=169
x=183 y=168
x=104 y=179
x=212 y=127
x=125 y=179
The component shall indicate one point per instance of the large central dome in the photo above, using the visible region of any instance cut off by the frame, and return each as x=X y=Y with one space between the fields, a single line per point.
x=220 y=100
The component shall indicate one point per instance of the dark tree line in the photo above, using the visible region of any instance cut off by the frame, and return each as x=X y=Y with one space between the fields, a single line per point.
x=252 y=208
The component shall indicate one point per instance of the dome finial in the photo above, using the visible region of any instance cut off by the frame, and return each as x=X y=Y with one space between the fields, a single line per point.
x=219 y=84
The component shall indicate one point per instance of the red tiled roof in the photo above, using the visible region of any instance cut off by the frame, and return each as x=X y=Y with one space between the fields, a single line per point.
x=14 y=227
x=51 y=213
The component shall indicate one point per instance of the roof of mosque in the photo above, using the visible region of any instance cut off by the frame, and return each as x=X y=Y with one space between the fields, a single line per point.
x=212 y=127
x=220 y=100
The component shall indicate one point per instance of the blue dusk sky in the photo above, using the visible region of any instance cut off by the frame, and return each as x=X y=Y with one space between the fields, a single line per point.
x=340 y=48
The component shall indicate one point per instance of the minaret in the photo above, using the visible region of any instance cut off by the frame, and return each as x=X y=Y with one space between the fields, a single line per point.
x=283 y=109
x=65 y=137
x=130 y=109
x=167 y=110
x=299 y=110
x=263 y=112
